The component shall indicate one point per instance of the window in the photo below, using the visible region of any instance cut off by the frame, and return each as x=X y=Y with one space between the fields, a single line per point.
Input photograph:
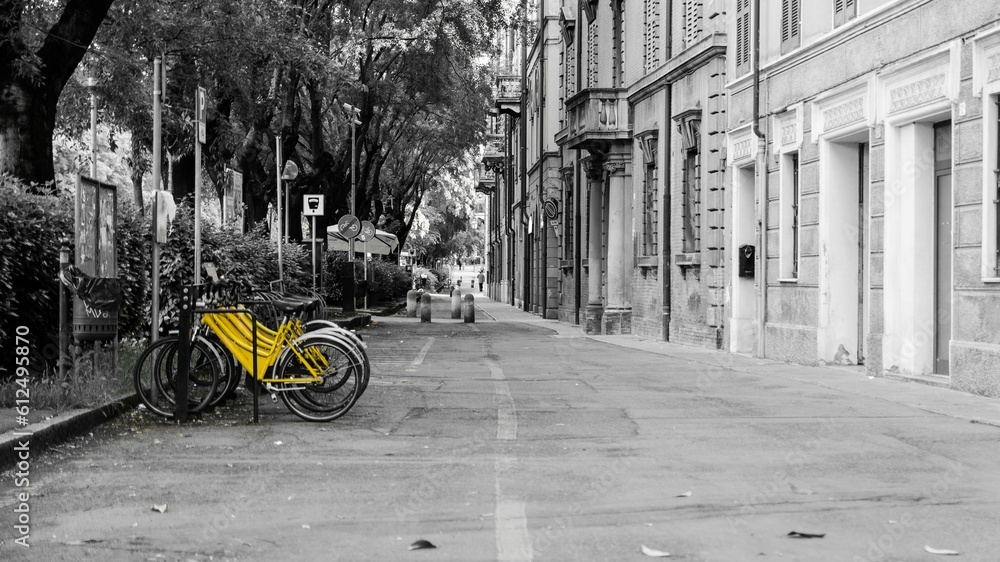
x=743 y=34
x=568 y=216
x=649 y=211
x=843 y=11
x=789 y=216
x=618 y=65
x=790 y=25
x=692 y=22
x=991 y=190
x=651 y=35
x=691 y=183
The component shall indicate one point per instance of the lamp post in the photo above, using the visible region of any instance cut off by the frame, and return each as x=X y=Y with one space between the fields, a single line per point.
x=349 y=289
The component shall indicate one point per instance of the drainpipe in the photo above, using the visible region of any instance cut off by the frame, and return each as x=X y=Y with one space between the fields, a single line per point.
x=577 y=184
x=544 y=269
x=523 y=167
x=667 y=270
x=763 y=173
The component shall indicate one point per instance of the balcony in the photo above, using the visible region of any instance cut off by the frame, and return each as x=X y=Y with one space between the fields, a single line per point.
x=486 y=181
x=597 y=117
x=509 y=95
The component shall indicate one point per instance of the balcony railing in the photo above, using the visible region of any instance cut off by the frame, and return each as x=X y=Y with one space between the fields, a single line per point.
x=597 y=117
x=509 y=94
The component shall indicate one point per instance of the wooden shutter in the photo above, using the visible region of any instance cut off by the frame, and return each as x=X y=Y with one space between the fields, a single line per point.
x=742 y=36
x=843 y=11
x=790 y=18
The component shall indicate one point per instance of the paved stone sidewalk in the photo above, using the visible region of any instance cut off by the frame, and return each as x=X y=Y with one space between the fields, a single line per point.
x=715 y=364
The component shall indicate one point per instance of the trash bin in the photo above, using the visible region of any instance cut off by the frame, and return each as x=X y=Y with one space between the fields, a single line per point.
x=95 y=304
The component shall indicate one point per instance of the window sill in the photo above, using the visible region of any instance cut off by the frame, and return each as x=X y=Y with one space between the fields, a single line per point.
x=991 y=280
x=687 y=259
x=646 y=262
x=789 y=280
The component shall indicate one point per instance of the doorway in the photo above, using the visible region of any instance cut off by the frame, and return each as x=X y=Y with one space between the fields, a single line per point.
x=843 y=306
x=744 y=259
x=942 y=247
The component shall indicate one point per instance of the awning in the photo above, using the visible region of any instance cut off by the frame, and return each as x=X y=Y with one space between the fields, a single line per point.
x=384 y=243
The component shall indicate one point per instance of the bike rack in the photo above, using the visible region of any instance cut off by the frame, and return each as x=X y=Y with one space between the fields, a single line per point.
x=188 y=308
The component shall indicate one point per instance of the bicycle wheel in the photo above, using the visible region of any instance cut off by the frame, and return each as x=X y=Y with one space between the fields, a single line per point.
x=144 y=377
x=340 y=374
x=352 y=339
x=228 y=377
x=203 y=374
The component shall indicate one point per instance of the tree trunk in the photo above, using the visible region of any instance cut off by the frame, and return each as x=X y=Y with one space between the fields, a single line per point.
x=27 y=120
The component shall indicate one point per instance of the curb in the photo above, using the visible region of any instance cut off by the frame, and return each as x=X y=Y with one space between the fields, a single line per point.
x=52 y=432
x=354 y=322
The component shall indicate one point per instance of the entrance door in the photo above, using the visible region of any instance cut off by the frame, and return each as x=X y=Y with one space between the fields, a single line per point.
x=943 y=246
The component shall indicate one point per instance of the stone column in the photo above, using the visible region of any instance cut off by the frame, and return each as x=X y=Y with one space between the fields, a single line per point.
x=595 y=306
x=617 y=318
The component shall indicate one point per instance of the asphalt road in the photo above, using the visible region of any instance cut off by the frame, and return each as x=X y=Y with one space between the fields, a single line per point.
x=506 y=440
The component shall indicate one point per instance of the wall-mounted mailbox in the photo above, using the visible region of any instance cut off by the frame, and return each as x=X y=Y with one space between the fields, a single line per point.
x=746 y=266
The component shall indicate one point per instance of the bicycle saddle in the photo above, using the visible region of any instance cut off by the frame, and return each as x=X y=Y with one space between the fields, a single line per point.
x=311 y=303
x=288 y=306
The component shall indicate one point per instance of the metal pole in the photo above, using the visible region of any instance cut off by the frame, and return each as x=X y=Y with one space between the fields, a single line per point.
x=63 y=309
x=197 y=190
x=313 y=240
x=277 y=167
x=366 y=274
x=157 y=172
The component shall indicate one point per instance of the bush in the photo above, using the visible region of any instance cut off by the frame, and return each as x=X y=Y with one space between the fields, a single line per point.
x=387 y=281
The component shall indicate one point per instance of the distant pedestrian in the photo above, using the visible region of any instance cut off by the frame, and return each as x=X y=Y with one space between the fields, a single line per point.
x=481 y=277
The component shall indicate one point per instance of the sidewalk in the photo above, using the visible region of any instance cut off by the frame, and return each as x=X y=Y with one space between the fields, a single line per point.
x=854 y=380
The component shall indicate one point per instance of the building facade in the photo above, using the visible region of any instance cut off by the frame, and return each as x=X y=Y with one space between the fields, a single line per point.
x=871 y=131
x=812 y=181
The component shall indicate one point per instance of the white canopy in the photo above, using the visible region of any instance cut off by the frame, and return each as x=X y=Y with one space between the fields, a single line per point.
x=383 y=243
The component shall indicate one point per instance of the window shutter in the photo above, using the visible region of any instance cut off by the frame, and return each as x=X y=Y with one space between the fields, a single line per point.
x=790 y=18
x=742 y=35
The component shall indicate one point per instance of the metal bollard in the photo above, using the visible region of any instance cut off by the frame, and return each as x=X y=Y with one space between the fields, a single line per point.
x=412 y=296
x=425 y=307
x=456 y=303
x=469 y=309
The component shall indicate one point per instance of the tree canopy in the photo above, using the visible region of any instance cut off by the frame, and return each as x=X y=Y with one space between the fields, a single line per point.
x=276 y=71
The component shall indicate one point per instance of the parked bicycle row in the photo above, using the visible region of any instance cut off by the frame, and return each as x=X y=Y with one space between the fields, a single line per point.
x=278 y=343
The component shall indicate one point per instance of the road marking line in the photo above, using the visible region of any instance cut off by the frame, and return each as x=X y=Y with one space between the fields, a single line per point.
x=506 y=412
x=513 y=538
x=420 y=356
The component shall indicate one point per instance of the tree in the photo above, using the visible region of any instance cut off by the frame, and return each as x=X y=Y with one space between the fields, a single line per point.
x=37 y=59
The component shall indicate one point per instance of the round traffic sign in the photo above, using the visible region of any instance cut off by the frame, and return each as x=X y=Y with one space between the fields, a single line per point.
x=367 y=231
x=349 y=226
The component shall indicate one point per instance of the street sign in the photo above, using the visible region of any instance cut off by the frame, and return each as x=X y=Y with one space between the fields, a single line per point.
x=201 y=114
x=349 y=226
x=367 y=231
x=312 y=205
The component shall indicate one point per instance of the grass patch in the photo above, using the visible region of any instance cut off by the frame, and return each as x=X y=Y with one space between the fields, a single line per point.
x=93 y=380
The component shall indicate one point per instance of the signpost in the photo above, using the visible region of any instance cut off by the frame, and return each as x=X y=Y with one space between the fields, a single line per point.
x=313 y=207
x=367 y=233
x=200 y=115
x=349 y=227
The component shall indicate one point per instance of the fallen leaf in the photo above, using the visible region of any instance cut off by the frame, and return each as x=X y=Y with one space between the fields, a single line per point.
x=684 y=495
x=941 y=551
x=306 y=526
x=798 y=535
x=797 y=490
x=421 y=544
x=277 y=442
x=160 y=507
x=653 y=552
